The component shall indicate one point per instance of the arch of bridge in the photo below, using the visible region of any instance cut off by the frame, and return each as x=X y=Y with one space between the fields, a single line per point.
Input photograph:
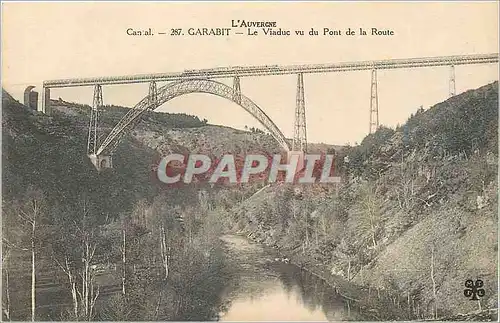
x=175 y=89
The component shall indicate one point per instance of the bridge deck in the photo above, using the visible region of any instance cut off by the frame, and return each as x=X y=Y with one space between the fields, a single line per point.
x=226 y=72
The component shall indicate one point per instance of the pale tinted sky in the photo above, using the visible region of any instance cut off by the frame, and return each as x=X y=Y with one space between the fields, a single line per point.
x=43 y=41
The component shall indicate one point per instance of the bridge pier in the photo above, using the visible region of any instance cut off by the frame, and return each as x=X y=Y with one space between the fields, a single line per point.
x=45 y=106
x=31 y=98
x=452 y=81
x=374 y=103
x=101 y=161
x=300 y=132
x=93 y=124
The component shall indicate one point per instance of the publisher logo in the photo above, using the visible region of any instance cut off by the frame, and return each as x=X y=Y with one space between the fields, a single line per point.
x=295 y=167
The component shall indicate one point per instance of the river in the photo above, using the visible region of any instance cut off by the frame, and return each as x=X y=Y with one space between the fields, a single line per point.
x=254 y=287
x=264 y=289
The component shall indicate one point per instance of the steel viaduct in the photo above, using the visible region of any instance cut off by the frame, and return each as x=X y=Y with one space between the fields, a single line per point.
x=205 y=81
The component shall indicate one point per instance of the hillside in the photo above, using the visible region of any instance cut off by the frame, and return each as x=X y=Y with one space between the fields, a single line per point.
x=415 y=217
x=49 y=152
x=44 y=163
x=179 y=128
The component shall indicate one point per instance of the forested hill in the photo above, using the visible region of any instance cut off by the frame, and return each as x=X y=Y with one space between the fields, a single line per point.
x=47 y=176
x=415 y=216
x=465 y=124
x=49 y=152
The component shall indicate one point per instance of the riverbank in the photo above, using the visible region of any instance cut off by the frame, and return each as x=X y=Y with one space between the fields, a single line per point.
x=380 y=305
x=376 y=304
x=268 y=287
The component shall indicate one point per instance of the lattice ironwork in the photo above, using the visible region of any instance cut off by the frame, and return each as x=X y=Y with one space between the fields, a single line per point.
x=374 y=103
x=452 y=81
x=237 y=89
x=232 y=71
x=153 y=94
x=175 y=89
x=300 y=130
x=92 y=140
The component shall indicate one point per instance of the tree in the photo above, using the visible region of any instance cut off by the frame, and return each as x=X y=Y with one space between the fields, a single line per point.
x=347 y=254
x=165 y=253
x=123 y=251
x=5 y=283
x=405 y=188
x=368 y=218
x=21 y=232
x=74 y=251
x=32 y=215
x=433 y=279
x=306 y=222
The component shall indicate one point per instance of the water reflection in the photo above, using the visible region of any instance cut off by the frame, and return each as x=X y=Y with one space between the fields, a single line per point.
x=269 y=291
x=275 y=305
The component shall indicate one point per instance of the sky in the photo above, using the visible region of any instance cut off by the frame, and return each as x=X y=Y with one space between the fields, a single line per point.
x=52 y=40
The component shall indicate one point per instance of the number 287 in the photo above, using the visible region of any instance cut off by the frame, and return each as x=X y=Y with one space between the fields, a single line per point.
x=175 y=32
